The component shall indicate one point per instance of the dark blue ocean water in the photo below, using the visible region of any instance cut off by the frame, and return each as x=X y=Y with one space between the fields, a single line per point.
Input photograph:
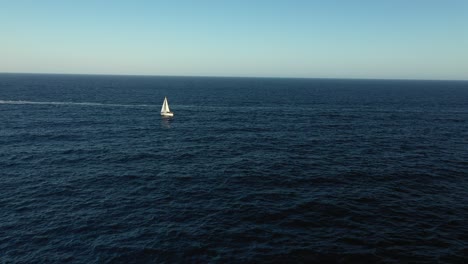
x=249 y=170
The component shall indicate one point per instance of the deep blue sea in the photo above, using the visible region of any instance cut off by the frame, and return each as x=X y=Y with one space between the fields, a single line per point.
x=249 y=170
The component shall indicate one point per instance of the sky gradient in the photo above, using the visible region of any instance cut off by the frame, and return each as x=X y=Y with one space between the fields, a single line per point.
x=398 y=39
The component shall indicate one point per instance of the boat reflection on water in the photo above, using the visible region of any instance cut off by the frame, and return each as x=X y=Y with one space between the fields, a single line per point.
x=166 y=122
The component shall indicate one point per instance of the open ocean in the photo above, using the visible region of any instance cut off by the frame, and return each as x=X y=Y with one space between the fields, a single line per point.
x=249 y=170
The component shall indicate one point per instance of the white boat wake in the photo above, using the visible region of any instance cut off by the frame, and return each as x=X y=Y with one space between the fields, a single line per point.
x=21 y=102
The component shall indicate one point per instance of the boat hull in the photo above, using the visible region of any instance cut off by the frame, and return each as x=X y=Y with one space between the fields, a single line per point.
x=169 y=114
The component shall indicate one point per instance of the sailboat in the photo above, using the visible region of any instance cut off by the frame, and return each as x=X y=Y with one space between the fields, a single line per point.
x=165 y=112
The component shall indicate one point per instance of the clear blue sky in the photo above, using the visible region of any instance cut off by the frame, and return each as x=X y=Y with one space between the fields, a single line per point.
x=420 y=39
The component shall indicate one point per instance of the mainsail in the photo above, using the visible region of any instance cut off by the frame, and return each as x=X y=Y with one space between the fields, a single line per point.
x=165 y=106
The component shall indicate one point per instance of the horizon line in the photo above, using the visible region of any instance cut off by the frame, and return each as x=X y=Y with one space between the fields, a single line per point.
x=235 y=76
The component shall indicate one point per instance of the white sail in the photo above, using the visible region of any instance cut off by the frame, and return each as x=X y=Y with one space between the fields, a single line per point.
x=165 y=106
x=165 y=111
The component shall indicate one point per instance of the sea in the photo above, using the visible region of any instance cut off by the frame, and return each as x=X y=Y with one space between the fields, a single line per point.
x=249 y=170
